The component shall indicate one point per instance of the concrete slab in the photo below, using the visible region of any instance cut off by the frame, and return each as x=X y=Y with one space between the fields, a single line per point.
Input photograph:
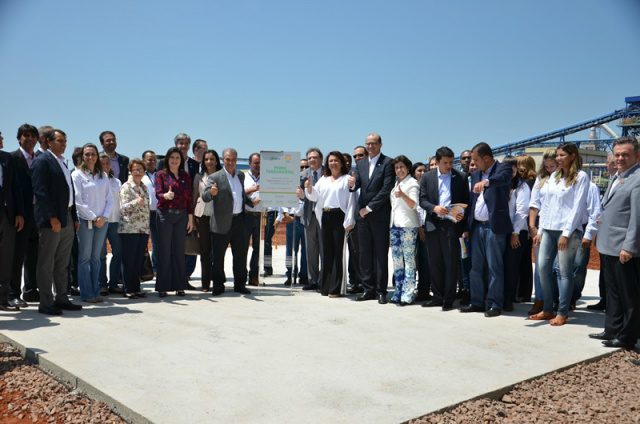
x=288 y=356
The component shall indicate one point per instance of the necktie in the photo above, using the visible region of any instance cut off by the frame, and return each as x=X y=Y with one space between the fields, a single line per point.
x=315 y=178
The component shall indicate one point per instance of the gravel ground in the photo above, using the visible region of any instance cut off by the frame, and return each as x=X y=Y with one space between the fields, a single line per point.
x=605 y=391
x=28 y=395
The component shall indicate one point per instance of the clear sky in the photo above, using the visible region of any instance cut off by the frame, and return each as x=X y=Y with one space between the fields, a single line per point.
x=290 y=74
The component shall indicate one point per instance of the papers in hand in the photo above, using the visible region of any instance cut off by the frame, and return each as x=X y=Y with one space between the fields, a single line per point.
x=454 y=210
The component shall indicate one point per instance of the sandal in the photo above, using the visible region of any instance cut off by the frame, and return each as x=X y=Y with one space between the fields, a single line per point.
x=540 y=316
x=559 y=320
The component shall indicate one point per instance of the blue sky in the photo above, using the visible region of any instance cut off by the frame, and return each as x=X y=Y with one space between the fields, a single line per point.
x=287 y=75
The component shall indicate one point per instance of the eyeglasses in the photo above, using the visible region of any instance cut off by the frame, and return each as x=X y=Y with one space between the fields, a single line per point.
x=137 y=171
x=361 y=155
x=302 y=167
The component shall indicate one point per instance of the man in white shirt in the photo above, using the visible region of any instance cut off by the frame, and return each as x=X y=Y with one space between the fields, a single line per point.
x=150 y=164
x=253 y=219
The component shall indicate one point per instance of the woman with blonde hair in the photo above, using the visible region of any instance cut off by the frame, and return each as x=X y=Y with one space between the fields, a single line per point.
x=561 y=230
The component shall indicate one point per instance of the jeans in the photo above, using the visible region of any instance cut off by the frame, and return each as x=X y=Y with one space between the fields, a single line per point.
x=538 y=292
x=90 y=243
x=566 y=258
x=116 y=258
x=403 y=252
x=297 y=243
x=488 y=247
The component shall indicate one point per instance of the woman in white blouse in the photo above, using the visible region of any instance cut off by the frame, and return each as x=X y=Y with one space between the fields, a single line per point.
x=561 y=230
x=335 y=210
x=112 y=235
x=405 y=221
x=519 y=196
x=94 y=202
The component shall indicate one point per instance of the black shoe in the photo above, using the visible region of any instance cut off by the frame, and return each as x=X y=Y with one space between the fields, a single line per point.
x=180 y=293
x=242 y=290
x=104 y=292
x=50 y=310
x=268 y=272
x=304 y=280
x=8 y=308
x=162 y=294
x=423 y=298
x=466 y=298
x=382 y=299
x=73 y=291
x=601 y=336
x=17 y=303
x=366 y=296
x=508 y=307
x=355 y=289
x=492 y=312
x=472 y=308
x=288 y=281
x=68 y=306
x=116 y=290
x=310 y=287
x=446 y=307
x=32 y=296
x=432 y=303
x=618 y=344
x=190 y=287
x=217 y=292
x=600 y=306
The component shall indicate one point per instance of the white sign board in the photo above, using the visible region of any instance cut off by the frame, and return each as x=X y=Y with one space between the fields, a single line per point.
x=279 y=179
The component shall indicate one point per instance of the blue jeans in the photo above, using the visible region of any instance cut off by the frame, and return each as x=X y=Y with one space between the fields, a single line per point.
x=116 y=258
x=488 y=247
x=537 y=286
x=580 y=272
x=298 y=242
x=90 y=243
x=546 y=256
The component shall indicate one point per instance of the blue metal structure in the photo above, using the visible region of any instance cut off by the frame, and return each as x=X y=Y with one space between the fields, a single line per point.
x=630 y=122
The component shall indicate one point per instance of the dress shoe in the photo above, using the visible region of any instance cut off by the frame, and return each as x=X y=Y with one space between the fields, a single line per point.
x=92 y=300
x=432 y=303
x=355 y=289
x=303 y=280
x=73 y=291
x=310 y=287
x=601 y=336
x=104 y=292
x=382 y=299
x=618 y=344
x=600 y=306
x=115 y=289
x=508 y=307
x=572 y=306
x=180 y=293
x=190 y=287
x=492 y=312
x=18 y=303
x=472 y=308
x=68 y=306
x=242 y=290
x=423 y=298
x=466 y=298
x=217 y=292
x=334 y=296
x=538 y=306
x=8 y=308
x=268 y=272
x=286 y=283
x=366 y=296
x=446 y=307
x=32 y=296
x=254 y=282
x=50 y=310
x=162 y=294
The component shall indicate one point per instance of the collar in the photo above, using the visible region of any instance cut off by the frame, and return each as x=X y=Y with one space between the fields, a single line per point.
x=375 y=158
x=229 y=175
x=440 y=174
x=27 y=155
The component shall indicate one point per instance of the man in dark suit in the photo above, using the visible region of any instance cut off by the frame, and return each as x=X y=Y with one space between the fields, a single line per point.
x=11 y=220
x=440 y=188
x=119 y=163
x=55 y=215
x=374 y=176
x=226 y=189
x=618 y=242
x=26 y=244
x=489 y=222
x=312 y=231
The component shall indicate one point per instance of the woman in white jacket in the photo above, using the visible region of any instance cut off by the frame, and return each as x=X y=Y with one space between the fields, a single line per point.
x=405 y=221
x=335 y=209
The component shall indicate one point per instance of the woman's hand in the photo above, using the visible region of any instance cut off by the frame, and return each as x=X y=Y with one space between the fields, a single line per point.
x=422 y=234
x=562 y=243
x=99 y=222
x=536 y=239
x=515 y=241
x=169 y=195
x=190 y=225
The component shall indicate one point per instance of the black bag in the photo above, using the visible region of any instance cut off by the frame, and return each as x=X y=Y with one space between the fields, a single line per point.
x=147 y=268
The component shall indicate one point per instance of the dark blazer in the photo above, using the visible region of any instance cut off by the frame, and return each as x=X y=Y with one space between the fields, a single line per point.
x=375 y=191
x=23 y=175
x=11 y=189
x=430 y=197
x=51 y=190
x=193 y=167
x=496 y=196
x=307 y=205
x=223 y=202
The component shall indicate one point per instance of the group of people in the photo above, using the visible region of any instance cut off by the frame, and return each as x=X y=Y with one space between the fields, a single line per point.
x=465 y=233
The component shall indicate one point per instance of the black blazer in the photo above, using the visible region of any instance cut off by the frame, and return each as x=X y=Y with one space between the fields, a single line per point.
x=375 y=191
x=430 y=197
x=496 y=196
x=220 y=222
x=51 y=190
x=23 y=175
x=11 y=189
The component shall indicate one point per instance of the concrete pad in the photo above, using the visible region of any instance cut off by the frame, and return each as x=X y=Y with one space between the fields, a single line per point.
x=287 y=356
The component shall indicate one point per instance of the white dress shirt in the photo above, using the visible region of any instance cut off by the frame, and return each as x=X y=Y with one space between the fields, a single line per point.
x=372 y=163
x=592 y=212
x=334 y=194
x=519 y=208
x=481 y=212
x=63 y=165
x=251 y=180
x=147 y=180
x=236 y=191
x=115 y=184
x=566 y=204
x=93 y=195
x=444 y=188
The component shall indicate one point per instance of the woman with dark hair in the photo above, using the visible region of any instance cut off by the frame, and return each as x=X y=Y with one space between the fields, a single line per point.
x=519 y=196
x=562 y=230
x=134 y=228
x=527 y=171
x=405 y=221
x=94 y=202
x=424 y=280
x=112 y=235
x=203 y=212
x=335 y=209
x=175 y=213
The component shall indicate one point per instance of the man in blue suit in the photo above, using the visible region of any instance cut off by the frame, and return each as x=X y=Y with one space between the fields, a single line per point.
x=55 y=214
x=489 y=222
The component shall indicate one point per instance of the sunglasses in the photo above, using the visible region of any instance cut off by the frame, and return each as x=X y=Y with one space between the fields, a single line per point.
x=465 y=158
x=304 y=167
x=359 y=156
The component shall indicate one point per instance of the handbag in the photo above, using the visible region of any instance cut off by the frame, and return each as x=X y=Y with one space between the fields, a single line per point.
x=192 y=244
x=147 y=267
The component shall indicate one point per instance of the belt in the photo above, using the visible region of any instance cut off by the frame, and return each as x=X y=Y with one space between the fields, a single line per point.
x=482 y=222
x=252 y=213
x=331 y=209
x=233 y=215
x=174 y=211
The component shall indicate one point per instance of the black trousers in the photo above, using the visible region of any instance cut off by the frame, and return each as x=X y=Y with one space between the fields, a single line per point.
x=269 y=231
x=623 y=298
x=236 y=237
x=354 y=259
x=512 y=260
x=444 y=259
x=602 y=286
x=7 y=241
x=252 y=222
x=333 y=245
x=172 y=236
x=525 y=284
x=422 y=265
x=204 y=237
x=373 y=237
x=133 y=248
x=25 y=255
